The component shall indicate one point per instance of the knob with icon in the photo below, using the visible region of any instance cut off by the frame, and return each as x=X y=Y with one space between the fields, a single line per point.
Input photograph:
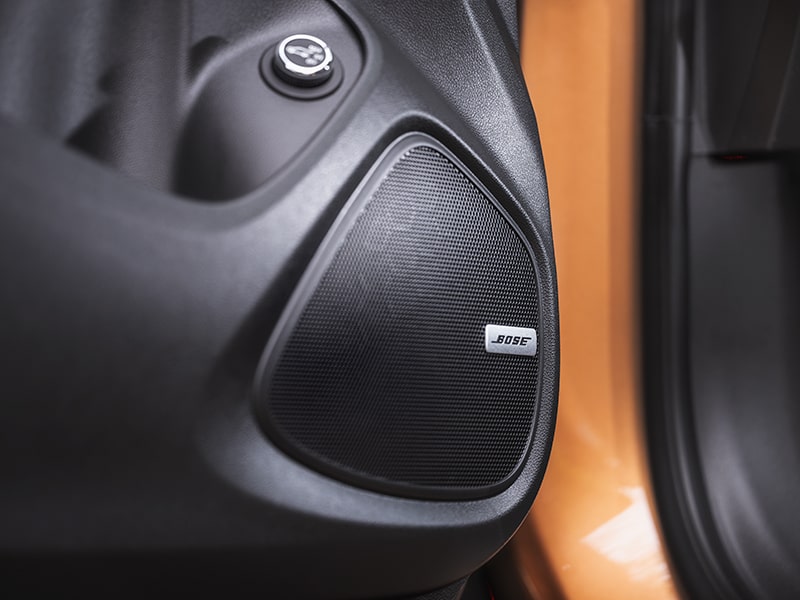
x=301 y=66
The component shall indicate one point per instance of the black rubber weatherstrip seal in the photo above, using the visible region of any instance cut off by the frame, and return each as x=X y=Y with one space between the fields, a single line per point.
x=696 y=551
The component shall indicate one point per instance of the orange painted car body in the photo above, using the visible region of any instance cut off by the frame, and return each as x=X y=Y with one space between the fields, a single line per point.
x=592 y=532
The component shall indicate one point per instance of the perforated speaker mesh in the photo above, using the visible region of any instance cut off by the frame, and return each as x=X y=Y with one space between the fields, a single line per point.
x=381 y=375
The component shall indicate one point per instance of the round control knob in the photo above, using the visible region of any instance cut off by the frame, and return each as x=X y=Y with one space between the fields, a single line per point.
x=303 y=60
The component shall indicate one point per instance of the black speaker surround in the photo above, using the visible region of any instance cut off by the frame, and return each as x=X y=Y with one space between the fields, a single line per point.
x=378 y=371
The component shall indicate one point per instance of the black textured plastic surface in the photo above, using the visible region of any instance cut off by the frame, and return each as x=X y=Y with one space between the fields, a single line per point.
x=133 y=322
x=385 y=377
x=170 y=93
x=451 y=592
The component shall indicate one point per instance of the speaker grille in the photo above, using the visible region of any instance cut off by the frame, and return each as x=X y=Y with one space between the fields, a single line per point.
x=383 y=378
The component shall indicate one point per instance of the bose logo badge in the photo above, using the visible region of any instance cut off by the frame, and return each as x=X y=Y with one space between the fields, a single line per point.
x=510 y=340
